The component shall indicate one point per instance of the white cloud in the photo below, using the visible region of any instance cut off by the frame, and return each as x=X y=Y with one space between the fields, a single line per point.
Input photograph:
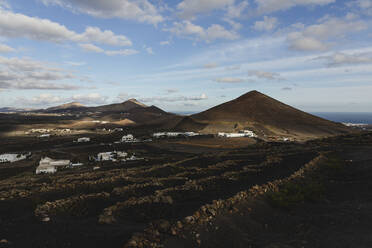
x=189 y=8
x=235 y=25
x=213 y=32
x=302 y=43
x=16 y=73
x=92 y=98
x=287 y=88
x=91 y=48
x=21 y=26
x=229 y=80
x=317 y=37
x=94 y=34
x=138 y=10
x=46 y=100
x=122 y=52
x=340 y=58
x=211 y=65
x=149 y=50
x=269 y=6
x=265 y=75
x=171 y=91
x=96 y=49
x=216 y=31
x=233 y=67
x=165 y=43
x=75 y=63
x=41 y=100
x=6 y=49
x=365 y=6
x=235 y=11
x=4 y=4
x=267 y=24
x=175 y=98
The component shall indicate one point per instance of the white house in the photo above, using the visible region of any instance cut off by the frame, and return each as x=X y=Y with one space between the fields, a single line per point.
x=84 y=139
x=190 y=134
x=49 y=165
x=105 y=156
x=73 y=165
x=158 y=135
x=128 y=138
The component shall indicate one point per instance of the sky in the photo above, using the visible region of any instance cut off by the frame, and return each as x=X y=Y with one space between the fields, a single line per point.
x=186 y=55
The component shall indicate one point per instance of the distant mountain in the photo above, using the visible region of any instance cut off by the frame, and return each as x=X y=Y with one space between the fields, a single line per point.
x=119 y=107
x=264 y=115
x=130 y=112
x=14 y=110
x=72 y=105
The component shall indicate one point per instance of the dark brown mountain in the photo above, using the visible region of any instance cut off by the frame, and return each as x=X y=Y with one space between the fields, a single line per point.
x=118 y=107
x=264 y=115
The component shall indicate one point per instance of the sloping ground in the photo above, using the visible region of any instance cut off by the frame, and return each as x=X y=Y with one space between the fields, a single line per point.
x=264 y=115
x=327 y=203
x=105 y=208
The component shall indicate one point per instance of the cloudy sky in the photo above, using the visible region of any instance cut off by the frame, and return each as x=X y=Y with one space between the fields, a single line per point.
x=186 y=55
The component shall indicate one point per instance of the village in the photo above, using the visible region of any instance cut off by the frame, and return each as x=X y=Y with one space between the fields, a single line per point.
x=50 y=165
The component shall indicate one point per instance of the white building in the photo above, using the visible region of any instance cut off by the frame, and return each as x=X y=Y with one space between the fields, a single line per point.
x=249 y=133
x=84 y=139
x=159 y=135
x=173 y=134
x=13 y=157
x=244 y=133
x=111 y=156
x=73 y=165
x=190 y=134
x=44 y=136
x=49 y=165
x=128 y=138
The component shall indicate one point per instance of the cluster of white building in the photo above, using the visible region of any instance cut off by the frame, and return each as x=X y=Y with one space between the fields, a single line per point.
x=47 y=130
x=13 y=157
x=174 y=134
x=243 y=133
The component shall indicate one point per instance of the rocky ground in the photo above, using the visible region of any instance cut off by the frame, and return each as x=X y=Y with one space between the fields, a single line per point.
x=327 y=203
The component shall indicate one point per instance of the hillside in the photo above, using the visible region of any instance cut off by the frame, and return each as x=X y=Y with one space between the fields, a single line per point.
x=72 y=105
x=264 y=115
x=119 y=107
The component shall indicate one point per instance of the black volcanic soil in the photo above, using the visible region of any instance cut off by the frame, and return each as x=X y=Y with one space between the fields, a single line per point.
x=334 y=212
x=105 y=207
x=83 y=207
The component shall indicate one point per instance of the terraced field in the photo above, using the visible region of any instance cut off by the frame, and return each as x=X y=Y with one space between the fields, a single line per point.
x=105 y=208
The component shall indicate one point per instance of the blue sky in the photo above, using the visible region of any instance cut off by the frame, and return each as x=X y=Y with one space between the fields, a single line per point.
x=186 y=55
